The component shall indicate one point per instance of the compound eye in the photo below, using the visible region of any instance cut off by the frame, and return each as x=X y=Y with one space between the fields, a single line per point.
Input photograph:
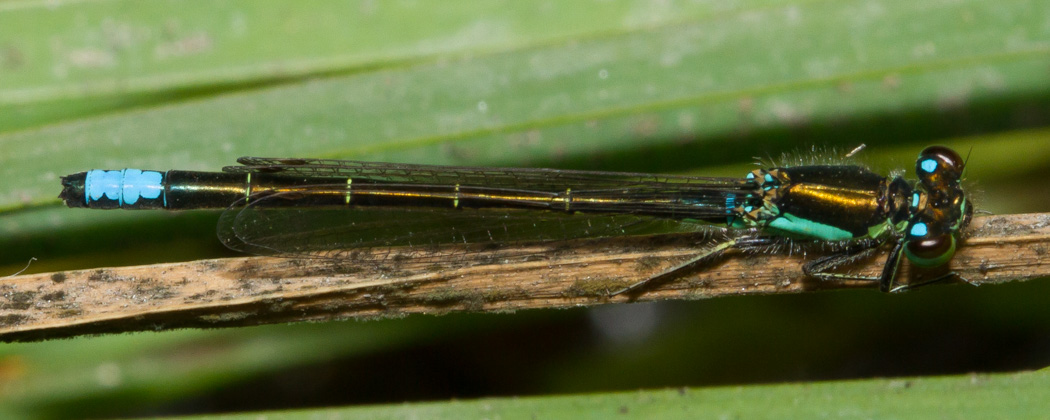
x=933 y=251
x=937 y=162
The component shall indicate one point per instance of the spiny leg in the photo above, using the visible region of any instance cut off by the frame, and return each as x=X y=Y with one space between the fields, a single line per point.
x=706 y=256
x=891 y=268
x=938 y=279
x=887 y=279
x=820 y=268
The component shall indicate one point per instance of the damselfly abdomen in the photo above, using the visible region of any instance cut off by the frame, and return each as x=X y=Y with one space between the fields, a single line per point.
x=334 y=208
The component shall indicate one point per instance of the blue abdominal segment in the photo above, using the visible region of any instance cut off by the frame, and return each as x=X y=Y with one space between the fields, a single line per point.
x=125 y=186
x=101 y=183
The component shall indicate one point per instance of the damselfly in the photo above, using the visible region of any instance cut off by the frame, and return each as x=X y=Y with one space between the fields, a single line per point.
x=336 y=208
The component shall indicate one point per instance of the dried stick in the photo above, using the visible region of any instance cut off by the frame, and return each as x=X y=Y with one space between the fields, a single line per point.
x=260 y=290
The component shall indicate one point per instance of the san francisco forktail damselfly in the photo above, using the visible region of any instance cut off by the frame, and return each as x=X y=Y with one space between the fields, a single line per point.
x=336 y=208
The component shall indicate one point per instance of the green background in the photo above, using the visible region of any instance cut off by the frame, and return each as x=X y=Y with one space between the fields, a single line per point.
x=673 y=86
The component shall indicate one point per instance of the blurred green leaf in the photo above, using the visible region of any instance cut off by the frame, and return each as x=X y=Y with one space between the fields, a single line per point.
x=1021 y=395
x=69 y=59
x=698 y=81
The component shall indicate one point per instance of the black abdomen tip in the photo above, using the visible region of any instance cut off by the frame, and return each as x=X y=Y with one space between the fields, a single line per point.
x=73 y=190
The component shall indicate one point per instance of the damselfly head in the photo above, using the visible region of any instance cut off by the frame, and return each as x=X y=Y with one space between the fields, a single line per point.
x=940 y=210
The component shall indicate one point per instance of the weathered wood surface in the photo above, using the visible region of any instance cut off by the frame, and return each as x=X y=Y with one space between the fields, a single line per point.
x=260 y=290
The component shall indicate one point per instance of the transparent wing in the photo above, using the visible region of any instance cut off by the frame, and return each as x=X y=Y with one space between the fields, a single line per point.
x=271 y=224
x=527 y=178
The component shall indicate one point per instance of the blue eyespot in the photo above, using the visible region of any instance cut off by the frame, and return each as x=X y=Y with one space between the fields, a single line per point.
x=919 y=230
x=928 y=165
x=769 y=178
x=915 y=200
x=750 y=175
